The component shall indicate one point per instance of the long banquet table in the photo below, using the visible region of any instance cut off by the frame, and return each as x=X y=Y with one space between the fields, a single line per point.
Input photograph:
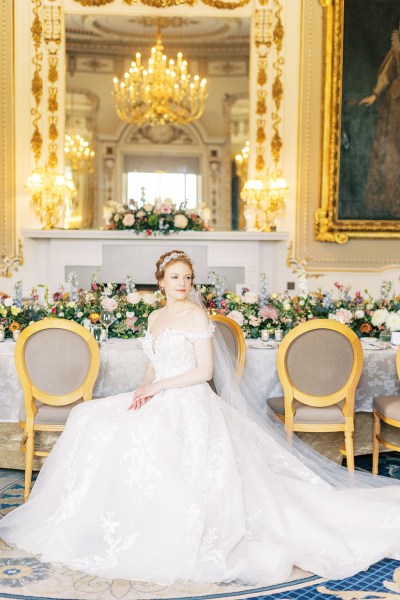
x=123 y=364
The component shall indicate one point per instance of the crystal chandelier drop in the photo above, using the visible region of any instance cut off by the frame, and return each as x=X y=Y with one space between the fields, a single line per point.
x=161 y=92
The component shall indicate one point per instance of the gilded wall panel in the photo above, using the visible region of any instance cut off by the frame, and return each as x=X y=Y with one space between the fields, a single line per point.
x=10 y=248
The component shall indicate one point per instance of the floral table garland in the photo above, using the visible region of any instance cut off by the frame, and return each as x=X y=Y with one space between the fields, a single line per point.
x=253 y=312
x=162 y=217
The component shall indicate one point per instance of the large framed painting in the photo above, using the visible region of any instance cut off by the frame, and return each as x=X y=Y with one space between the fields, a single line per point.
x=360 y=179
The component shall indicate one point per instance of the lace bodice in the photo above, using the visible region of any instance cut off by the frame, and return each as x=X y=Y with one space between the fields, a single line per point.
x=173 y=350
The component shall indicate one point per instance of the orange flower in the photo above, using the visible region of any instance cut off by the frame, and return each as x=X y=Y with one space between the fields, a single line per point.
x=14 y=326
x=365 y=327
x=94 y=317
x=65 y=296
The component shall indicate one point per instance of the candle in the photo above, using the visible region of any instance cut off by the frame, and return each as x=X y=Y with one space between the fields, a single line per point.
x=2 y=335
x=264 y=335
x=15 y=334
x=87 y=324
x=278 y=335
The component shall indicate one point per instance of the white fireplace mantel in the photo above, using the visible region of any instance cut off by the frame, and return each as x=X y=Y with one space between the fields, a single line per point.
x=240 y=256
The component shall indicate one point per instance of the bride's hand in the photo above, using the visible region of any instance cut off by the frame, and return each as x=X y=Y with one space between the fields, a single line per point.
x=141 y=395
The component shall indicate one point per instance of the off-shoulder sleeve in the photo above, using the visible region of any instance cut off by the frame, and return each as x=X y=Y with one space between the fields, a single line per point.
x=202 y=335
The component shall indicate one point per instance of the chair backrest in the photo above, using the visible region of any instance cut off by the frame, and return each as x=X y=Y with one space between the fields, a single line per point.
x=57 y=362
x=320 y=363
x=234 y=339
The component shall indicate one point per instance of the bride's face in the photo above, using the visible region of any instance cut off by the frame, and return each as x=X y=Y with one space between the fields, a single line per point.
x=177 y=281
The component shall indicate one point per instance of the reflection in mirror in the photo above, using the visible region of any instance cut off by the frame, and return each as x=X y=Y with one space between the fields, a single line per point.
x=183 y=161
x=80 y=149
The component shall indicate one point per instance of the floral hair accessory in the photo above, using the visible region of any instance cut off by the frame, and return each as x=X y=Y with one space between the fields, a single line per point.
x=172 y=256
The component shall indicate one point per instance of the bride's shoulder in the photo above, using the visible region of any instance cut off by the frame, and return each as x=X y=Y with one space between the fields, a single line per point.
x=198 y=319
x=153 y=316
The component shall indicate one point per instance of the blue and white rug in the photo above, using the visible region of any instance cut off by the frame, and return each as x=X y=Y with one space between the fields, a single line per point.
x=25 y=577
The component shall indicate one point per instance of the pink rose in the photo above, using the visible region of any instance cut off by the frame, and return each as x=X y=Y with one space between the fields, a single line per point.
x=128 y=220
x=268 y=312
x=130 y=322
x=109 y=304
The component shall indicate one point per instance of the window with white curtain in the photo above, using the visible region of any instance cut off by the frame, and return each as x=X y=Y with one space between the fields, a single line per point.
x=163 y=177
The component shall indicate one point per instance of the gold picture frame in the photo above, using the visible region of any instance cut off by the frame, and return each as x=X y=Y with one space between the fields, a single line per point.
x=328 y=226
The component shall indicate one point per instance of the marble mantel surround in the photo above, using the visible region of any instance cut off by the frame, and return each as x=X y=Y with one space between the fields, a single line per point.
x=239 y=256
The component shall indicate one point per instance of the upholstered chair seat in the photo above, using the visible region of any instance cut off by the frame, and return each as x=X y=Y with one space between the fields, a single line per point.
x=389 y=406
x=56 y=415
x=309 y=414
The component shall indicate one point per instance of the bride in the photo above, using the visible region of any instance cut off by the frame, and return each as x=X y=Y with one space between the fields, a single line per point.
x=177 y=483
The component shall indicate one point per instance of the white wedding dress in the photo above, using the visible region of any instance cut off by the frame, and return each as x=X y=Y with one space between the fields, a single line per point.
x=190 y=488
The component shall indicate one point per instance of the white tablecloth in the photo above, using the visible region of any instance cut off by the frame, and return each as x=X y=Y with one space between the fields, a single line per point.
x=123 y=364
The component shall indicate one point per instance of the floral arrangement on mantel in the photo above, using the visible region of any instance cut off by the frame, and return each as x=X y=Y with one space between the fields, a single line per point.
x=367 y=316
x=162 y=217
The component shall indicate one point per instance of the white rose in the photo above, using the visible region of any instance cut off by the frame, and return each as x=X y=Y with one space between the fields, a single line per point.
x=8 y=302
x=274 y=296
x=80 y=314
x=61 y=314
x=286 y=306
x=149 y=299
x=148 y=207
x=359 y=314
x=118 y=315
x=117 y=217
x=250 y=297
x=130 y=314
x=301 y=303
x=237 y=316
x=133 y=297
x=393 y=321
x=71 y=304
x=31 y=322
x=379 y=317
x=180 y=221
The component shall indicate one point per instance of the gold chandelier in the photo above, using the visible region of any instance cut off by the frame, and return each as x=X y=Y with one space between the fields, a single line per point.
x=162 y=92
x=79 y=153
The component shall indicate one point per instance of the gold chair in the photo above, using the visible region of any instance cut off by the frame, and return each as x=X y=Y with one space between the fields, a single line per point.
x=57 y=362
x=386 y=409
x=319 y=365
x=234 y=339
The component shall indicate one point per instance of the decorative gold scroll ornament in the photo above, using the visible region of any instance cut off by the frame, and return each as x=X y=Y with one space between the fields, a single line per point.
x=37 y=81
x=219 y=4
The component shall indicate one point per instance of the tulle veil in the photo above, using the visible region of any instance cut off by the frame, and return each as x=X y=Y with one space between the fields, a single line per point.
x=239 y=395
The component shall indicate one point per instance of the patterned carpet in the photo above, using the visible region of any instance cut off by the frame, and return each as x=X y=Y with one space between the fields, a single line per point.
x=25 y=577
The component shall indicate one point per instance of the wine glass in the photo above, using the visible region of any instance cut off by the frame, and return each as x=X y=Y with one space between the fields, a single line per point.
x=106 y=319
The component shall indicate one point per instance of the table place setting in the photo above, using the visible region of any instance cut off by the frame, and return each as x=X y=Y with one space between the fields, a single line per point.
x=374 y=344
x=259 y=344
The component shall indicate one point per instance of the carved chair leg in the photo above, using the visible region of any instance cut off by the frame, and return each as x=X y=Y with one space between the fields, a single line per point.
x=348 y=442
x=375 y=444
x=29 y=449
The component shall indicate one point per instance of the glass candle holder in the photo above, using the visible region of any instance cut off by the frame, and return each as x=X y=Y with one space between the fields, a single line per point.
x=15 y=334
x=264 y=335
x=2 y=335
x=97 y=332
x=278 y=335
